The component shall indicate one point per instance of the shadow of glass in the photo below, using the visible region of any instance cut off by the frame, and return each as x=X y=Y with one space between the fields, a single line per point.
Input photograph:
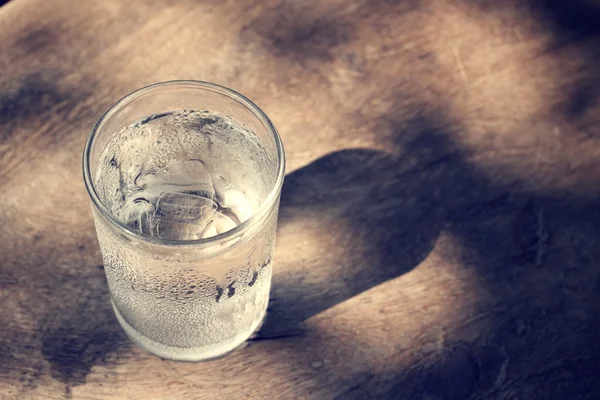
x=366 y=217
x=533 y=250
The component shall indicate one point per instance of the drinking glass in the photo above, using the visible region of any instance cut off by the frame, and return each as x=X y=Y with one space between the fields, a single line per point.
x=177 y=290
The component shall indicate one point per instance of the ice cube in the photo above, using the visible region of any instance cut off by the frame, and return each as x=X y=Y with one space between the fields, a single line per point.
x=209 y=231
x=186 y=208
x=138 y=214
x=191 y=174
x=219 y=224
x=237 y=201
x=173 y=230
x=182 y=216
x=223 y=223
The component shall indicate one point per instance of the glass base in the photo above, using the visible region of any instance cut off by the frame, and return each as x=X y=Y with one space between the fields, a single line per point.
x=201 y=353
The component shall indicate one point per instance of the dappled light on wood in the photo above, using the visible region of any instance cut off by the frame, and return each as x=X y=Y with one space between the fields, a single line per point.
x=439 y=225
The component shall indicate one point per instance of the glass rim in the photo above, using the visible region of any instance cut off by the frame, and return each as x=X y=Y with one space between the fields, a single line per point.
x=221 y=237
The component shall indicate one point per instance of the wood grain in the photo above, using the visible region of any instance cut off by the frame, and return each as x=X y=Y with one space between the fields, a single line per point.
x=439 y=228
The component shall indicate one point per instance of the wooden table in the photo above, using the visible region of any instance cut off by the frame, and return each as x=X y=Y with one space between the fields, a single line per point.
x=439 y=225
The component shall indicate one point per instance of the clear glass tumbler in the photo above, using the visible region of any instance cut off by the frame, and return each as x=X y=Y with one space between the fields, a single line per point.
x=184 y=179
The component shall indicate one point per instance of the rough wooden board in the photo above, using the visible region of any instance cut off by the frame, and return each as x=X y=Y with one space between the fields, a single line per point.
x=439 y=228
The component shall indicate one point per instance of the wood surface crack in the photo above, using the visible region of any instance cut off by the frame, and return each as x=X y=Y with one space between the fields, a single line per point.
x=355 y=387
x=461 y=66
x=275 y=337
